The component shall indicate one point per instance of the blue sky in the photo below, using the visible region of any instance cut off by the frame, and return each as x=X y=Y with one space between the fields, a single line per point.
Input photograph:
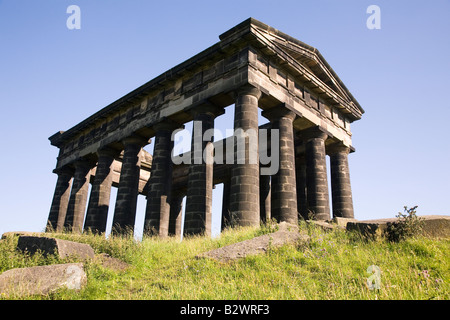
x=51 y=78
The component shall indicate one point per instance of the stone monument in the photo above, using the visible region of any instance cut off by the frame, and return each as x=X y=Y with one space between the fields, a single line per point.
x=253 y=66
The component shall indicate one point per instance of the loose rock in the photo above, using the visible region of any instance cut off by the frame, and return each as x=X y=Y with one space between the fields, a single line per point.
x=63 y=248
x=42 y=279
x=286 y=234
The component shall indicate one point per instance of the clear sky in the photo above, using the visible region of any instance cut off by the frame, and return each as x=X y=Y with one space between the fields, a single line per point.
x=51 y=78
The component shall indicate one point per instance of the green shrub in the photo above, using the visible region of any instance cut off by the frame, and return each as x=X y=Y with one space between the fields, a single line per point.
x=407 y=225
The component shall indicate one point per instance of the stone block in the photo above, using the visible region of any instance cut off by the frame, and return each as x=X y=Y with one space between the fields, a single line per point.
x=63 y=248
x=287 y=233
x=371 y=228
x=42 y=279
x=322 y=224
x=342 y=222
x=21 y=233
x=434 y=226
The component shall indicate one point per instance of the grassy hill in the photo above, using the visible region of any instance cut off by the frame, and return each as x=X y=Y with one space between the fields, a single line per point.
x=333 y=265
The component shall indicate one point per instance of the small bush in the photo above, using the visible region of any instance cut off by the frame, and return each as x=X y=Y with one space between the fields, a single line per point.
x=407 y=225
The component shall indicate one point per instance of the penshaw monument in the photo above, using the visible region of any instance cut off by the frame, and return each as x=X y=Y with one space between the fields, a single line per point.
x=253 y=67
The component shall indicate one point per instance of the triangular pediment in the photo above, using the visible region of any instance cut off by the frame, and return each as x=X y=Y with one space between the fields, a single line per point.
x=308 y=57
x=295 y=54
x=311 y=61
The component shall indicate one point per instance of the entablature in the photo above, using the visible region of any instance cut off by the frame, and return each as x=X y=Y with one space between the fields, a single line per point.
x=285 y=69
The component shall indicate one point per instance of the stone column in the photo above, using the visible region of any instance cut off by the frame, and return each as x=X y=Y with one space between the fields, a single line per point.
x=283 y=187
x=78 y=196
x=265 y=198
x=300 y=175
x=341 y=191
x=226 y=216
x=97 y=213
x=176 y=214
x=198 y=212
x=60 y=201
x=157 y=212
x=128 y=190
x=316 y=174
x=244 y=190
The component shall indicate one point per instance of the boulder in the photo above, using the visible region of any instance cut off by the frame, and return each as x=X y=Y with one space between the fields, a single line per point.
x=63 y=248
x=42 y=279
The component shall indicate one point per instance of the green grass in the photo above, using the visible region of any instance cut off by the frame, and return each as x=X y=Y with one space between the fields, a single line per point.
x=332 y=265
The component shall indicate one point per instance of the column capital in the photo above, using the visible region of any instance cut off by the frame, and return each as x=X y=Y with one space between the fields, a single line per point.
x=280 y=111
x=84 y=163
x=68 y=170
x=208 y=108
x=135 y=139
x=166 y=124
x=313 y=133
x=108 y=151
x=338 y=148
x=248 y=89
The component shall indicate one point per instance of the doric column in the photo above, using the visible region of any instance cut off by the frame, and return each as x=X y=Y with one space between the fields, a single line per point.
x=316 y=174
x=300 y=175
x=97 y=213
x=157 y=212
x=176 y=214
x=60 y=201
x=226 y=216
x=244 y=190
x=198 y=211
x=283 y=186
x=341 y=191
x=265 y=198
x=78 y=196
x=127 y=193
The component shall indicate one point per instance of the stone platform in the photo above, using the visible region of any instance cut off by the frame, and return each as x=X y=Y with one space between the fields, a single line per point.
x=434 y=226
